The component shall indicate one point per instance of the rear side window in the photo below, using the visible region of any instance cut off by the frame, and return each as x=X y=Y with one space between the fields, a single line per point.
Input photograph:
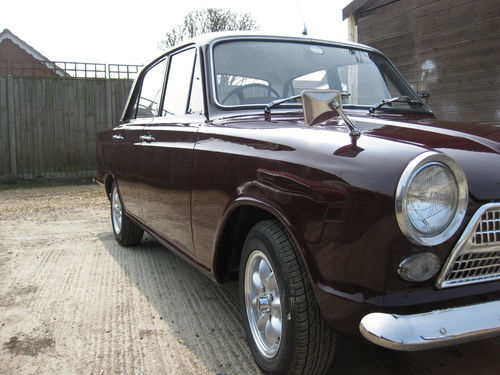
x=180 y=74
x=148 y=101
x=196 y=97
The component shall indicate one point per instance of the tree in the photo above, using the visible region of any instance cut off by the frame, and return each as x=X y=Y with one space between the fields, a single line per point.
x=208 y=20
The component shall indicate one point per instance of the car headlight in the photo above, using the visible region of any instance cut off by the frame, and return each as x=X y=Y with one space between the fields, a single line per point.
x=431 y=198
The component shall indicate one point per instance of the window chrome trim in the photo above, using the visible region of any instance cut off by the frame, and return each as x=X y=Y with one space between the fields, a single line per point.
x=419 y=162
x=464 y=244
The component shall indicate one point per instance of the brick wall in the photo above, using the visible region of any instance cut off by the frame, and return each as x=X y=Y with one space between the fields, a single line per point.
x=17 y=62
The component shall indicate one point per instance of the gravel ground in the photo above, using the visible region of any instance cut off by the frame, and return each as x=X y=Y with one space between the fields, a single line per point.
x=72 y=301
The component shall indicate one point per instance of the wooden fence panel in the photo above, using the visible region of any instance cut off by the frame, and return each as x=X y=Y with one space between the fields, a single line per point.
x=4 y=129
x=55 y=121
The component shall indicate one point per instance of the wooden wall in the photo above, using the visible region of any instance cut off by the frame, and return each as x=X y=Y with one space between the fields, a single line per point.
x=448 y=48
x=48 y=125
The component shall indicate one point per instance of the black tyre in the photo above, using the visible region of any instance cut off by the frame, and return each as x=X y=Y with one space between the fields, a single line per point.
x=127 y=233
x=283 y=323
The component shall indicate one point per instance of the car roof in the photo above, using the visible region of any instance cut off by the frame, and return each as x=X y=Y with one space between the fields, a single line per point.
x=211 y=38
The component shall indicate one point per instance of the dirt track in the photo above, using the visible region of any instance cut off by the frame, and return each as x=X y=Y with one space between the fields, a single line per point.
x=73 y=301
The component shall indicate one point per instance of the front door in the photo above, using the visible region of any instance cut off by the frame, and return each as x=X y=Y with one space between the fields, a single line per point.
x=167 y=161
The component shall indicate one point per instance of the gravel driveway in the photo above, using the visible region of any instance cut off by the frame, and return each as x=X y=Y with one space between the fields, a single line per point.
x=73 y=301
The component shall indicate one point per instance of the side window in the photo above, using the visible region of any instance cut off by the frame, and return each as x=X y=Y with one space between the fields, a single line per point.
x=148 y=101
x=196 y=97
x=180 y=73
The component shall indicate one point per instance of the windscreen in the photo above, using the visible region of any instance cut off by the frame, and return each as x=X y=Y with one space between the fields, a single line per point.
x=254 y=72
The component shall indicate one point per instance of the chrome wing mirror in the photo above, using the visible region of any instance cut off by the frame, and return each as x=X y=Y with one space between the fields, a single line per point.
x=322 y=105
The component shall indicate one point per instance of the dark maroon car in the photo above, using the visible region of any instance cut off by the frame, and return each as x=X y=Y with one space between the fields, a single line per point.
x=311 y=172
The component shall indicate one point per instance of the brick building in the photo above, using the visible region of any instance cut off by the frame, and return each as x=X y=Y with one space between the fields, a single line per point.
x=18 y=58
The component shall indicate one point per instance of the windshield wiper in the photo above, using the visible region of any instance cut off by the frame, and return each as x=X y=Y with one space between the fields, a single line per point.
x=397 y=99
x=277 y=102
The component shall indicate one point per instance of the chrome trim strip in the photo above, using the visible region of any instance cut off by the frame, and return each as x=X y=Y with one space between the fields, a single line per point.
x=434 y=329
x=465 y=244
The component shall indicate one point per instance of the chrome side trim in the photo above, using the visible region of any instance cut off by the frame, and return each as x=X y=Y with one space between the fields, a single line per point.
x=467 y=244
x=433 y=329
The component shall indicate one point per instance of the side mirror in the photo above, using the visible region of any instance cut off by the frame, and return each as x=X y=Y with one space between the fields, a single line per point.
x=316 y=105
x=322 y=105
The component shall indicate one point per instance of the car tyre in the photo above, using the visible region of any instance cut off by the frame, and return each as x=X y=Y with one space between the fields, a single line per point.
x=126 y=232
x=282 y=320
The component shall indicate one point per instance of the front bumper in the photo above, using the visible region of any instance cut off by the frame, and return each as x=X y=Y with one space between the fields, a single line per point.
x=433 y=329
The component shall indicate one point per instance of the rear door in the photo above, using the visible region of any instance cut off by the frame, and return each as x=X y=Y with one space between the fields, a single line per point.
x=167 y=153
x=128 y=136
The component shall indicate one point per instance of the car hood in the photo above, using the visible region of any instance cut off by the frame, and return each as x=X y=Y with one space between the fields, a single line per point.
x=387 y=144
x=476 y=147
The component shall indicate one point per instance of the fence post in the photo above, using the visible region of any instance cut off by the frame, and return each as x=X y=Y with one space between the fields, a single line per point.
x=109 y=104
x=12 y=125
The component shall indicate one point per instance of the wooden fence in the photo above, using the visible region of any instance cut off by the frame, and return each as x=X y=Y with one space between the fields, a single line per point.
x=48 y=125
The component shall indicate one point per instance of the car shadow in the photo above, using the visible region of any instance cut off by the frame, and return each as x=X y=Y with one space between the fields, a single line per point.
x=205 y=317
x=201 y=315
x=361 y=357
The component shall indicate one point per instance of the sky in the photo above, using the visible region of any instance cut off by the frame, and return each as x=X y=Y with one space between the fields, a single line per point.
x=130 y=32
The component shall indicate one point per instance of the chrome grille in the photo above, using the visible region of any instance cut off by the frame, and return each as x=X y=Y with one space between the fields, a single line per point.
x=476 y=257
x=488 y=229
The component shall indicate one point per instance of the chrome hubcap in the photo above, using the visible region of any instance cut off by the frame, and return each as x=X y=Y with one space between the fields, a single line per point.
x=116 y=211
x=263 y=305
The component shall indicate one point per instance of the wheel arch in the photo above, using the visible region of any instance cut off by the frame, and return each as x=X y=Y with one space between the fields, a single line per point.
x=239 y=218
x=108 y=183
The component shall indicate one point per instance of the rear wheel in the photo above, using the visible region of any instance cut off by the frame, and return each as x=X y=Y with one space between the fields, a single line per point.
x=284 y=327
x=126 y=232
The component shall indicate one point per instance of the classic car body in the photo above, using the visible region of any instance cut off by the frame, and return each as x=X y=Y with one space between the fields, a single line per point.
x=200 y=180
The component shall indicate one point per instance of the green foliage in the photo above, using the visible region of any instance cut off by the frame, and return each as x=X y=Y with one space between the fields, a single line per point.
x=208 y=20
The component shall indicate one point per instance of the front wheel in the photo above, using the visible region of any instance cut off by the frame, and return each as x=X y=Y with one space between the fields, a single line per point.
x=284 y=327
x=126 y=232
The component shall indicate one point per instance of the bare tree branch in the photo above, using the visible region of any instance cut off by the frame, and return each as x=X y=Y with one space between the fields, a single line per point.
x=208 y=20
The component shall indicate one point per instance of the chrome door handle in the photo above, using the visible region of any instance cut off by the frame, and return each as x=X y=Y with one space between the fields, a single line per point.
x=118 y=137
x=147 y=138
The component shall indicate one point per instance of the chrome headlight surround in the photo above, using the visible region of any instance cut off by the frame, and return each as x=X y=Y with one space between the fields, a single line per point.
x=417 y=165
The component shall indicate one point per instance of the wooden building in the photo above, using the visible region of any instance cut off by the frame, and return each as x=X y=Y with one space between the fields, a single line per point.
x=446 y=48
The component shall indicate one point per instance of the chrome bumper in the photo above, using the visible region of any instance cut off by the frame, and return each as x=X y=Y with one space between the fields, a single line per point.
x=433 y=329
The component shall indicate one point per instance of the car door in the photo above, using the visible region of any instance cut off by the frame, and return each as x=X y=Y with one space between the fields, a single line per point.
x=123 y=156
x=167 y=154
x=128 y=136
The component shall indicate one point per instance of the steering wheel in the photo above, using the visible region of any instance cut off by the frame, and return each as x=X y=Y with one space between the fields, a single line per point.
x=239 y=91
